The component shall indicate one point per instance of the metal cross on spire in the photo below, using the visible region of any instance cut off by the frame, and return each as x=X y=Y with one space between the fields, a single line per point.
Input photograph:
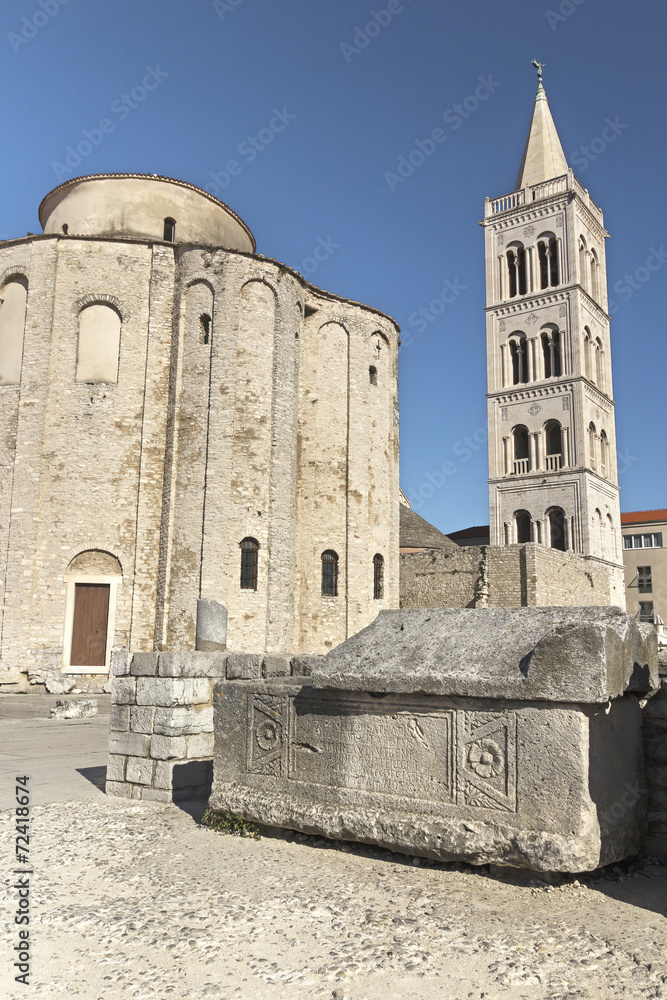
x=539 y=67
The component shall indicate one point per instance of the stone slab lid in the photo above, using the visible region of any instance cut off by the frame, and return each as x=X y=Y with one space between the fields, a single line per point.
x=590 y=654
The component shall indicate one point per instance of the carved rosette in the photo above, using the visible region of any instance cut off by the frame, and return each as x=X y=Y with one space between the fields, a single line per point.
x=267 y=735
x=487 y=775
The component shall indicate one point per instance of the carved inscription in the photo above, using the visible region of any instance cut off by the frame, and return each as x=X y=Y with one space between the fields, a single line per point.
x=400 y=754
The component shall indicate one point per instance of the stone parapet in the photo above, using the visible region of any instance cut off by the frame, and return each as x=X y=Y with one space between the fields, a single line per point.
x=161 y=717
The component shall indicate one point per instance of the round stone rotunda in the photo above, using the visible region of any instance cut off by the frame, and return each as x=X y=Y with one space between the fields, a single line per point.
x=184 y=420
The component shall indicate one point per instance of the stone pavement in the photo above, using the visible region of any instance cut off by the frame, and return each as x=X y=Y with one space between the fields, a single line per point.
x=64 y=758
x=136 y=900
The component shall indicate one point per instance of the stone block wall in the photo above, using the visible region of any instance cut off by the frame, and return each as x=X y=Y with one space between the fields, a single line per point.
x=655 y=754
x=506 y=576
x=438 y=578
x=161 y=718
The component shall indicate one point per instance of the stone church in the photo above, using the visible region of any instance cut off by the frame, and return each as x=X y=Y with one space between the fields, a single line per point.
x=553 y=484
x=184 y=421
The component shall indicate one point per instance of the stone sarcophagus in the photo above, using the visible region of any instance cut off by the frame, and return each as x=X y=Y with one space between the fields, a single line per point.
x=510 y=736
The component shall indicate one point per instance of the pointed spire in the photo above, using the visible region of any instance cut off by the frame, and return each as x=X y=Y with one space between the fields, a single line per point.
x=543 y=156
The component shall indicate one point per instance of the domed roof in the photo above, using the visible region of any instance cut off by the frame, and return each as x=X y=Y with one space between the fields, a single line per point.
x=139 y=206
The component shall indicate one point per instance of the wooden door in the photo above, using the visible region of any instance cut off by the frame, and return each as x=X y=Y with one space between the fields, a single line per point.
x=89 y=629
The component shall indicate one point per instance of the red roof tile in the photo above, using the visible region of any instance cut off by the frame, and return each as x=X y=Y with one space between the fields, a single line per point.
x=643 y=516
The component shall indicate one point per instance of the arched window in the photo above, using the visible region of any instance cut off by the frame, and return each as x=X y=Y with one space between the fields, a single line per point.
x=604 y=454
x=557 y=364
x=13 y=300
x=613 y=551
x=554 y=441
x=554 y=262
x=599 y=364
x=205 y=328
x=522 y=520
x=546 y=354
x=99 y=344
x=516 y=268
x=543 y=258
x=599 y=523
x=521 y=450
x=556 y=519
x=249 y=550
x=583 y=269
x=519 y=356
x=588 y=346
x=551 y=353
x=329 y=574
x=378 y=577
x=595 y=271
x=373 y=375
x=592 y=445
x=549 y=264
x=169 y=230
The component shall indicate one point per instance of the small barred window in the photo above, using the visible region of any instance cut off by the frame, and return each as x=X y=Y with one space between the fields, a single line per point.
x=249 y=550
x=378 y=577
x=329 y=574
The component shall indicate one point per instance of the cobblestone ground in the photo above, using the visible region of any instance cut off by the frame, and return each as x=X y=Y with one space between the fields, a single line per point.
x=136 y=900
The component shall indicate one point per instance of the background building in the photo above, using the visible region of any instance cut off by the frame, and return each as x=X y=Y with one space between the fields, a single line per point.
x=645 y=559
x=182 y=419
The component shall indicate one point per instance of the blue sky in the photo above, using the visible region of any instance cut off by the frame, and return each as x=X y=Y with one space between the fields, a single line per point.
x=189 y=86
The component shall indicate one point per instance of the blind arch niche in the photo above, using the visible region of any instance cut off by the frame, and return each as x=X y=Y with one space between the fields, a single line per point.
x=99 y=344
x=14 y=298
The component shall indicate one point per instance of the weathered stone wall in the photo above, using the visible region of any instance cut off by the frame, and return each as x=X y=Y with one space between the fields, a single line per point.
x=510 y=575
x=161 y=718
x=77 y=454
x=438 y=578
x=269 y=428
x=506 y=577
x=655 y=752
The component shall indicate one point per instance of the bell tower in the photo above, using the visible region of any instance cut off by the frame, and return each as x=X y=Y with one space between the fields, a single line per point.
x=552 y=440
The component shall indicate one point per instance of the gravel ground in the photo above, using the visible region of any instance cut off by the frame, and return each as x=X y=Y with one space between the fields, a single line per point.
x=136 y=900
